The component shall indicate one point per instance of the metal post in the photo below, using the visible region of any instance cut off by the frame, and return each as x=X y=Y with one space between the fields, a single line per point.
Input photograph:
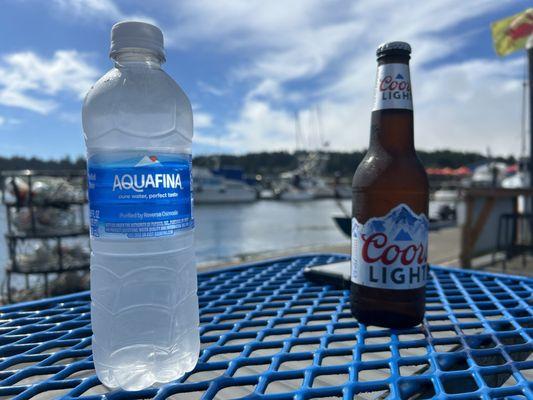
x=529 y=49
x=529 y=204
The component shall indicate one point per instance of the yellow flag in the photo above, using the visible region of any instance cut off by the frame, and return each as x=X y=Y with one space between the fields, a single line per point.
x=511 y=33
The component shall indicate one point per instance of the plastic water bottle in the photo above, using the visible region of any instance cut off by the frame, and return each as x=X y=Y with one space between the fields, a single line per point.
x=138 y=132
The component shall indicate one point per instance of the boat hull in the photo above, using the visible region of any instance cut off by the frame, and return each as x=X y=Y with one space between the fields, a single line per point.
x=215 y=196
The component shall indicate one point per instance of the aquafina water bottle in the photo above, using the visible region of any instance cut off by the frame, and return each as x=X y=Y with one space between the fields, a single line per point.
x=138 y=131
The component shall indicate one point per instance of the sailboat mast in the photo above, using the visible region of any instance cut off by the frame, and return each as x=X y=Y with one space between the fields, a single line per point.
x=297 y=130
x=320 y=130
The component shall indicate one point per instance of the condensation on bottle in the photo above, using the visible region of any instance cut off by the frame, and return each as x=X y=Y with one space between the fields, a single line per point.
x=138 y=131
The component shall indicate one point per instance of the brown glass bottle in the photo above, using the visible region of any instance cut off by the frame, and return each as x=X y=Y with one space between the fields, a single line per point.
x=390 y=177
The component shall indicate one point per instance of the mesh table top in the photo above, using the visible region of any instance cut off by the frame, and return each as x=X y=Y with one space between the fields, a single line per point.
x=269 y=333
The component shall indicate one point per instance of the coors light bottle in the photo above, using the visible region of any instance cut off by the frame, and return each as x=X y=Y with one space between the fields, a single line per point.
x=390 y=205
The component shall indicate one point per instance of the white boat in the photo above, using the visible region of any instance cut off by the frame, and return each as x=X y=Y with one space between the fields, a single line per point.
x=267 y=194
x=294 y=194
x=488 y=174
x=519 y=178
x=210 y=189
x=321 y=189
x=516 y=181
x=305 y=189
x=343 y=191
x=446 y=195
x=305 y=182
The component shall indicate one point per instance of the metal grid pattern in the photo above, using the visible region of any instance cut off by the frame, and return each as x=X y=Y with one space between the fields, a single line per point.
x=268 y=333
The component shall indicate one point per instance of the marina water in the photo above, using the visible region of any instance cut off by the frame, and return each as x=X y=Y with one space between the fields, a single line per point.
x=138 y=132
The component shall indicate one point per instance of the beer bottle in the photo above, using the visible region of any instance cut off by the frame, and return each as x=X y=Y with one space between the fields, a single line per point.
x=390 y=205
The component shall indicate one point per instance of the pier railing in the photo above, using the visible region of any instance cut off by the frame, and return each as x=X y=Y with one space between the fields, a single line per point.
x=495 y=219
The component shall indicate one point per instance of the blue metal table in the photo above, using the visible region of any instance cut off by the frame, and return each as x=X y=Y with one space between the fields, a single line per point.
x=268 y=333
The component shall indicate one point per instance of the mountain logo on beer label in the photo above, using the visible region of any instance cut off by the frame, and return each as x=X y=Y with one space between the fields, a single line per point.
x=403 y=236
x=399 y=76
x=378 y=226
x=390 y=252
x=399 y=221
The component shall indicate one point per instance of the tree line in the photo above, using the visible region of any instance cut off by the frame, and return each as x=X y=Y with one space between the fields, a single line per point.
x=20 y=163
x=343 y=163
x=268 y=163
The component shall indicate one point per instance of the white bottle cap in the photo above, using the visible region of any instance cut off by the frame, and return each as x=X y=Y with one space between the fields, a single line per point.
x=137 y=35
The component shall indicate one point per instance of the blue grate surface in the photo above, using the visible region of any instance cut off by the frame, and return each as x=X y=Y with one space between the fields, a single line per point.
x=268 y=333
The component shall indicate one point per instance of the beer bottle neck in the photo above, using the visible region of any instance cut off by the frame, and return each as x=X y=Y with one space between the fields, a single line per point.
x=392 y=115
x=392 y=131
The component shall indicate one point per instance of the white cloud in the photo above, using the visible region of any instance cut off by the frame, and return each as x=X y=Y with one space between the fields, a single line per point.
x=292 y=55
x=84 y=7
x=32 y=82
x=70 y=117
x=101 y=9
x=268 y=88
x=322 y=52
x=5 y=121
x=206 y=140
x=213 y=90
x=202 y=120
x=260 y=127
x=469 y=106
x=474 y=104
x=289 y=40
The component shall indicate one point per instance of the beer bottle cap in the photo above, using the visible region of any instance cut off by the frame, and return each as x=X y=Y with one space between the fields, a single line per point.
x=396 y=48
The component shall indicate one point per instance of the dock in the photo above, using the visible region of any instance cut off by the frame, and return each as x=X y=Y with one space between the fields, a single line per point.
x=444 y=249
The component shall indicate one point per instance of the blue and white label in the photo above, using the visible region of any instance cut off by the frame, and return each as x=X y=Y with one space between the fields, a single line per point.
x=134 y=195
x=390 y=252
x=393 y=87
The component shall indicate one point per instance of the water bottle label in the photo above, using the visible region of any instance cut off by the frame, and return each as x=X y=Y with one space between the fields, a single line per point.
x=390 y=252
x=134 y=195
x=393 y=87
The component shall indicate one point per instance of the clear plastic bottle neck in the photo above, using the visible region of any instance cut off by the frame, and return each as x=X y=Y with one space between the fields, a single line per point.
x=137 y=58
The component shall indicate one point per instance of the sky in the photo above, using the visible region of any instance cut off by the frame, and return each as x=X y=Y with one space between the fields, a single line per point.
x=250 y=66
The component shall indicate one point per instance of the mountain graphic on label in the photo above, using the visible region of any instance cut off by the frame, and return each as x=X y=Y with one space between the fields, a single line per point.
x=377 y=226
x=399 y=76
x=148 y=161
x=403 y=236
x=401 y=215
